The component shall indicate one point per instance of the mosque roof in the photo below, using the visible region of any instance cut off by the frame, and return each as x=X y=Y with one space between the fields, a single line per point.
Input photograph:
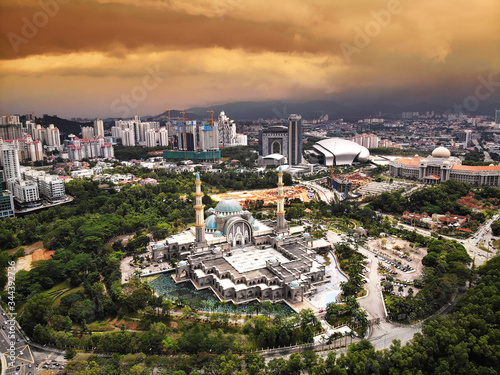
x=228 y=205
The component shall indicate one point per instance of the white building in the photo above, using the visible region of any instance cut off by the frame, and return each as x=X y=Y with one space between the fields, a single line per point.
x=151 y=138
x=9 y=158
x=227 y=130
x=366 y=140
x=163 y=136
x=128 y=137
x=52 y=188
x=26 y=193
x=87 y=132
x=98 y=128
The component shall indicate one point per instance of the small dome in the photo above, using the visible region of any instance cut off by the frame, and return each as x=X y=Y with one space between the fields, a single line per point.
x=278 y=238
x=228 y=206
x=210 y=223
x=306 y=235
x=273 y=261
x=217 y=250
x=255 y=227
x=294 y=284
x=492 y=165
x=182 y=263
x=211 y=209
x=252 y=220
x=220 y=216
x=218 y=233
x=441 y=152
x=246 y=212
x=158 y=245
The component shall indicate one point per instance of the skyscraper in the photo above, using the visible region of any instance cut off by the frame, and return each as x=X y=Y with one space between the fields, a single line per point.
x=295 y=139
x=497 y=116
x=6 y=202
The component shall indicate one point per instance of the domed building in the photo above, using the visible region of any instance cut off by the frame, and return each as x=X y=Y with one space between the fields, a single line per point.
x=441 y=166
x=242 y=259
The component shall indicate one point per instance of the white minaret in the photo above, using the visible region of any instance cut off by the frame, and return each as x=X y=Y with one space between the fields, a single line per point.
x=200 y=216
x=281 y=223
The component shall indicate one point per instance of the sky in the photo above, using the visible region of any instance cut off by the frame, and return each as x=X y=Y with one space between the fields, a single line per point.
x=119 y=58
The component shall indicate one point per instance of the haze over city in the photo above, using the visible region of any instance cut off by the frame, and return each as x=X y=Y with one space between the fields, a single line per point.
x=84 y=58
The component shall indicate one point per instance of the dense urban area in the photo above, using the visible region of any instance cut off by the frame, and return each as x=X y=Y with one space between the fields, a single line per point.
x=188 y=243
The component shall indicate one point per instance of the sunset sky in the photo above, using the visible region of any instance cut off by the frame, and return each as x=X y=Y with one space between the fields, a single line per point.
x=112 y=58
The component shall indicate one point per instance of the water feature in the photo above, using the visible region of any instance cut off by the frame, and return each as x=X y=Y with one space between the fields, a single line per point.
x=204 y=300
x=328 y=292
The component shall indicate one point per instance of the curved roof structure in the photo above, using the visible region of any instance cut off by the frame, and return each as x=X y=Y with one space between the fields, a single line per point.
x=210 y=223
x=339 y=151
x=228 y=206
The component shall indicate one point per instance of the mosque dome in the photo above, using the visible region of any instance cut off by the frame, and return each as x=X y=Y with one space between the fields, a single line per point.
x=182 y=263
x=273 y=260
x=217 y=233
x=294 y=284
x=210 y=223
x=441 y=152
x=228 y=206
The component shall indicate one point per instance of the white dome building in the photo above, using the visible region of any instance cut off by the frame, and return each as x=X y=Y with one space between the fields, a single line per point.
x=338 y=151
x=441 y=166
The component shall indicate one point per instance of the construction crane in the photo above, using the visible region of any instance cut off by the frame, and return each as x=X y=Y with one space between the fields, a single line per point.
x=169 y=124
x=213 y=132
x=184 y=131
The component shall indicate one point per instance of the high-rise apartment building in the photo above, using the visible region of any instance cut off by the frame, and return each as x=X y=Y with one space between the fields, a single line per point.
x=98 y=128
x=497 y=116
x=10 y=127
x=9 y=158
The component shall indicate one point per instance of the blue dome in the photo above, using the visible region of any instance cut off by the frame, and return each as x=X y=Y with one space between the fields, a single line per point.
x=218 y=233
x=306 y=235
x=159 y=245
x=273 y=260
x=217 y=250
x=278 y=238
x=228 y=206
x=211 y=209
x=294 y=284
x=210 y=223
x=252 y=220
x=182 y=263
x=246 y=212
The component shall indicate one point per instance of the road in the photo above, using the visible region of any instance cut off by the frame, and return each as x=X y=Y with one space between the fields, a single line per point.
x=17 y=357
x=326 y=195
x=471 y=244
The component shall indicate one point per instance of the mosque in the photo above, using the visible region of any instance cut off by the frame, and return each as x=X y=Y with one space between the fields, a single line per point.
x=242 y=259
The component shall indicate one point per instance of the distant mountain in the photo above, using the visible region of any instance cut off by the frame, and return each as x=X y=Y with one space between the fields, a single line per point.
x=64 y=126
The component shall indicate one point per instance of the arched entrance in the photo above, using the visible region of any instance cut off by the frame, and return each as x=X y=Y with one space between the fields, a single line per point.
x=276 y=147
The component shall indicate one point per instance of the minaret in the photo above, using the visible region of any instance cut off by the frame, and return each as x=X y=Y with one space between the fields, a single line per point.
x=200 y=219
x=281 y=224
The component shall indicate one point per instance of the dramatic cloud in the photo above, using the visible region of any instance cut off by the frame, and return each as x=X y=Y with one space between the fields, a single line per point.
x=79 y=57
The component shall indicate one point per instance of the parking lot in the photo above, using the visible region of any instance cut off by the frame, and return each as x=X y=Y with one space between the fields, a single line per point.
x=398 y=261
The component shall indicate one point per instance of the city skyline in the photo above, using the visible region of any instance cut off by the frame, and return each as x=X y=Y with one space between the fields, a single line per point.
x=119 y=58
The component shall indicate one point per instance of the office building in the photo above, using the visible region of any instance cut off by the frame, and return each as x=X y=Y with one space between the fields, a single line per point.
x=6 y=201
x=295 y=139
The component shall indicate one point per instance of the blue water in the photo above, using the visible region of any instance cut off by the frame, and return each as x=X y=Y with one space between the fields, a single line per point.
x=204 y=300
x=328 y=293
